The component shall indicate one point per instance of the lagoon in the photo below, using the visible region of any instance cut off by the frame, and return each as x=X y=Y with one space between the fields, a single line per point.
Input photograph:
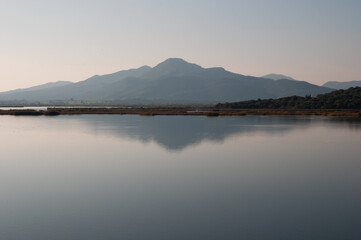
x=179 y=177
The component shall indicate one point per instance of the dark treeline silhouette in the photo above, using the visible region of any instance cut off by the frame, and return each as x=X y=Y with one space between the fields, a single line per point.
x=340 y=99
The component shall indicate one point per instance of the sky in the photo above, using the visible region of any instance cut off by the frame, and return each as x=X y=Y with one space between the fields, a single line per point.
x=71 y=40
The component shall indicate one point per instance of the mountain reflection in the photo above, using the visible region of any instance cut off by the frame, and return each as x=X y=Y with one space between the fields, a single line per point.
x=178 y=132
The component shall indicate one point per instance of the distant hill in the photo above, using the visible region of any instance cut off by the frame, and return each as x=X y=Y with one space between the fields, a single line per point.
x=172 y=81
x=274 y=76
x=342 y=85
x=339 y=99
x=40 y=87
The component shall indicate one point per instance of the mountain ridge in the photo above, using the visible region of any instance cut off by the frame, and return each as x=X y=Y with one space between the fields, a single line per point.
x=342 y=85
x=173 y=81
x=38 y=87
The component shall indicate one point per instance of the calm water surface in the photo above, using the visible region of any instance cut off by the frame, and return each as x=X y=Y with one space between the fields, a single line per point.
x=175 y=177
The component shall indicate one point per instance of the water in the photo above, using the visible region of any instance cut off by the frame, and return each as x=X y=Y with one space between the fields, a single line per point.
x=44 y=108
x=177 y=177
x=24 y=108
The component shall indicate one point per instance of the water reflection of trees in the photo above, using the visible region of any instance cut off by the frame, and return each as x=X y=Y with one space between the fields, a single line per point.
x=351 y=123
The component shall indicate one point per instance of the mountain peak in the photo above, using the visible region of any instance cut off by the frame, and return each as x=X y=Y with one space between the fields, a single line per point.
x=275 y=76
x=175 y=60
x=176 y=66
x=145 y=67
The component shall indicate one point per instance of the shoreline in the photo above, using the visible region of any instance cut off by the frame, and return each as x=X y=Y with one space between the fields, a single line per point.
x=186 y=111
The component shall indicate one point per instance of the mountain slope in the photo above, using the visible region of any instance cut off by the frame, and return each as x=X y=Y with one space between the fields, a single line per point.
x=95 y=87
x=172 y=81
x=39 y=87
x=342 y=85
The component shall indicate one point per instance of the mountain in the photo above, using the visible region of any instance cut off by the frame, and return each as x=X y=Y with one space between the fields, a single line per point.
x=274 y=76
x=172 y=81
x=339 y=99
x=342 y=85
x=40 y=87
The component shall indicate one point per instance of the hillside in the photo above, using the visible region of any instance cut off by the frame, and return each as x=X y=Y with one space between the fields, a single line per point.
x=340 y=99
x=172 y=81
x=39 y=87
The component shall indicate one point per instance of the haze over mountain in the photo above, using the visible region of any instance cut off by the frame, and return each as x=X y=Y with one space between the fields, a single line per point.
x=342 y=85
x=172 y=81
x=274 y=76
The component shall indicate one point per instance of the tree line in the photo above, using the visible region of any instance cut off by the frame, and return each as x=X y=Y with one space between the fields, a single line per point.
x=339 y=99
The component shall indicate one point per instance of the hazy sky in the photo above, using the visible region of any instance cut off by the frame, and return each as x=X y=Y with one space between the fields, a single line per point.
x=311 y=40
